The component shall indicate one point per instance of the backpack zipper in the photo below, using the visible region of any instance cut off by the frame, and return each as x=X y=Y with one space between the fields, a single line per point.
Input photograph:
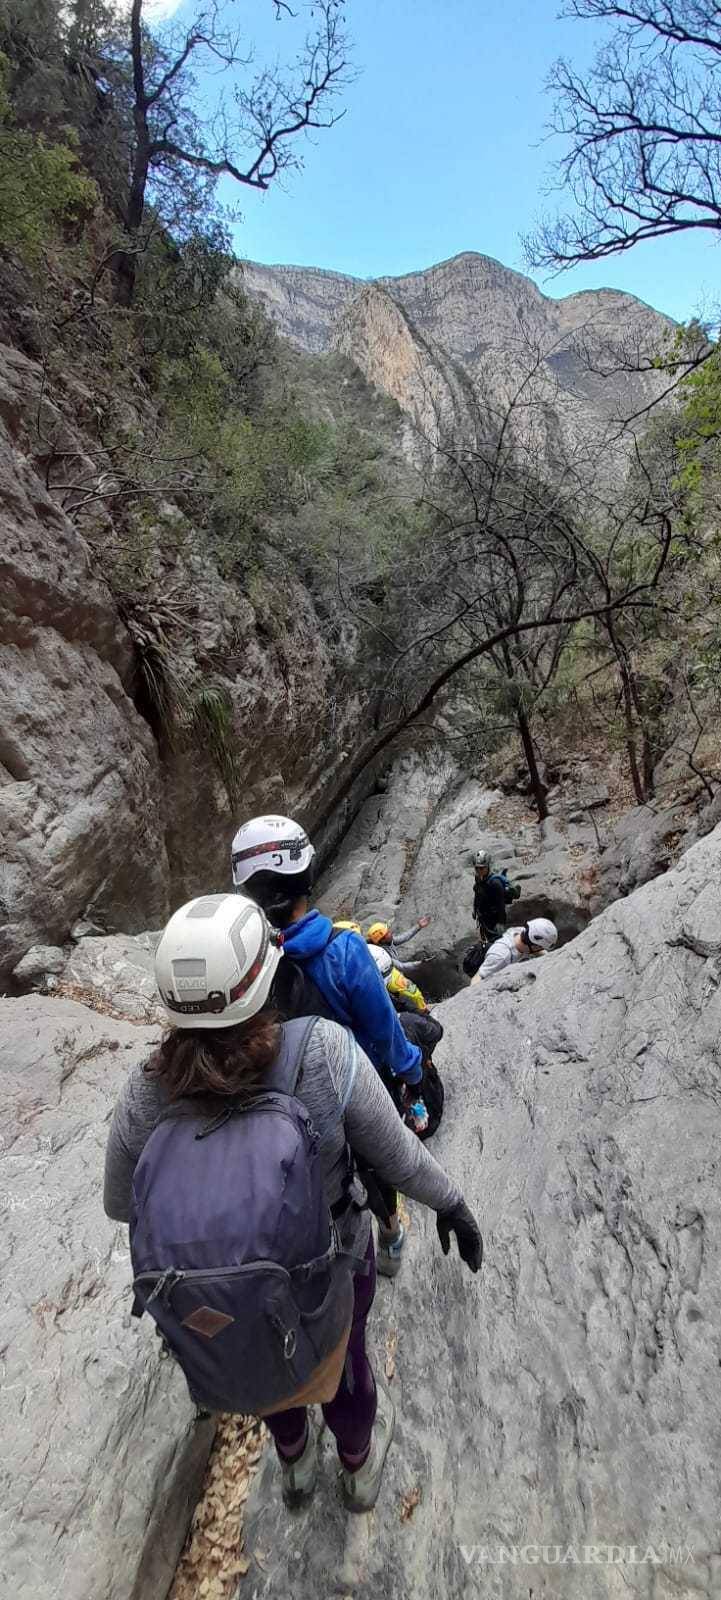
x=171 y=1276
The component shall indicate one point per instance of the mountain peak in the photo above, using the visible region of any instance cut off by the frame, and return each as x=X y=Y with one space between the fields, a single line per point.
x=471 y=326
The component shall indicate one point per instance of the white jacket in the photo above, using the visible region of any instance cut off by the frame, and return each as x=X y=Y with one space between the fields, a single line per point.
x=502 y=953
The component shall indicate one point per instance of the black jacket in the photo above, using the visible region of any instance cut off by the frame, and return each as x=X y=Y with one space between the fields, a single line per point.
x=489 y=902
x=423 y=1030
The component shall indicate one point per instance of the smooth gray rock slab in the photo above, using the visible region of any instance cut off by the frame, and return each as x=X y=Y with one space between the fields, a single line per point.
x=101 y=1458
x=570 y=1396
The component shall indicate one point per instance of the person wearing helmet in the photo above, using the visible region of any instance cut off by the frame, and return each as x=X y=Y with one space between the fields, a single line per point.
x=492 y=892
x=424 y=1030
x=329 y=971
x=380 y=933
x=405 y=994
x=518 y=944
x=348 y=924
x=215 y=968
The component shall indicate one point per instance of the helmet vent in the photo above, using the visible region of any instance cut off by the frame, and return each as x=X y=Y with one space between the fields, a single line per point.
x=207 y=907
x=239 y=945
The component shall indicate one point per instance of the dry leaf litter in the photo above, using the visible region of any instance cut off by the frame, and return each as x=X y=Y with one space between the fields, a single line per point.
x=213 y=1558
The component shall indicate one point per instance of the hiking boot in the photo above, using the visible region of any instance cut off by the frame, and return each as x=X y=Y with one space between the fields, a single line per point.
x=389 y=1253
x=299 y=1477
x=360 y=1488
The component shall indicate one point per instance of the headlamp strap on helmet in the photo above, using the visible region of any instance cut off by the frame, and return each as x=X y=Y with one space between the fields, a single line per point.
x=295 y=848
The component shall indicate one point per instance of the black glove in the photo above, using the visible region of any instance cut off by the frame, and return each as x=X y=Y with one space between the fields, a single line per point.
x=467 y=1232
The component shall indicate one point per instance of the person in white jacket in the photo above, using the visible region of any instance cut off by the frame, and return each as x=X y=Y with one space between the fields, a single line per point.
x=518 y=944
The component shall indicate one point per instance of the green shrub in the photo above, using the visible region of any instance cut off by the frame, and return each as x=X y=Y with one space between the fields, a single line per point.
x=41 y=189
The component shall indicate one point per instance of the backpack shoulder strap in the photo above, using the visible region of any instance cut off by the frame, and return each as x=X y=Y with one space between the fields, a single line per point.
x=287 y=1068
x=285 y=1076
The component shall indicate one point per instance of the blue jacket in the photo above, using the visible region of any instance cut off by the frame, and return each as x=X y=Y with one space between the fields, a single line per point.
x=348 y=978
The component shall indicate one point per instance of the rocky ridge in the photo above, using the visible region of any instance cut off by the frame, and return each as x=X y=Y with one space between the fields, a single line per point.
x=425 y=337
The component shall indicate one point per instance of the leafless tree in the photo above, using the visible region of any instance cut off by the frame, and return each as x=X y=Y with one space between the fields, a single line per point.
x=523 y=548
x=642 y=131
x=249 y=134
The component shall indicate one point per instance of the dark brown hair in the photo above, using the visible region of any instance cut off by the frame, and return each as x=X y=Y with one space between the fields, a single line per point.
x=218 y=1063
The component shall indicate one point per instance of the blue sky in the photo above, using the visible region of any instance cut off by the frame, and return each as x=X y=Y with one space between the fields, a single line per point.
x=442 y=149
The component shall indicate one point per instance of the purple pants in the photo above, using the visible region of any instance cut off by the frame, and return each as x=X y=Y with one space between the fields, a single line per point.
x=350 y=1416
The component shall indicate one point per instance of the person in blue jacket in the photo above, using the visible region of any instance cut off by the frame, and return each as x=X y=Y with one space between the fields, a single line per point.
x=329 y=972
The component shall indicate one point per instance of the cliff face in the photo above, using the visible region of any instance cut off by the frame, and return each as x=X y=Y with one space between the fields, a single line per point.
x=376 y=332
x=472 y=327
x=103 y=819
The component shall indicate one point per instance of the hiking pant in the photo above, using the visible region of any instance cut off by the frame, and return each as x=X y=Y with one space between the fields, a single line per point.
x=389 y=1198
x=350 y=1416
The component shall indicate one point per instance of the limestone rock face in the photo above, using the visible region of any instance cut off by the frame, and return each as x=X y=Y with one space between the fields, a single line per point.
x=568 y=1398
x=472 y=321
x=408 y=852
x=79 y=771
x=99 y=824
x=102 y=1457
x=376 y=333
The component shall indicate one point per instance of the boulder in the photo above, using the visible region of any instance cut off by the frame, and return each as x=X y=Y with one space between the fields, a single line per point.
x=118 y=971
x=643 y=844
x=558 y=1415
x=102 y=1457
x=39 y=963
x=591 y=799
x=708 y=817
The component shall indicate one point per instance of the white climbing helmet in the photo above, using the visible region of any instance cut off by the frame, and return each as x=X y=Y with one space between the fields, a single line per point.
x=542 y=934
x=270 y=844
x=383 y=961
x=216 y=962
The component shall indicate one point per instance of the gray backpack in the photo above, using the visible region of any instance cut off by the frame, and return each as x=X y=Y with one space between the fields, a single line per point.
x=235 y=1252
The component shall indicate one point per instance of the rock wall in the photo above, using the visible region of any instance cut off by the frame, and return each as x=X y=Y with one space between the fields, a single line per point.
x=102 y=1458
x=376 y=333
x=569 y=1397
x=408 y=852
x=99 y=821
x=80 y=789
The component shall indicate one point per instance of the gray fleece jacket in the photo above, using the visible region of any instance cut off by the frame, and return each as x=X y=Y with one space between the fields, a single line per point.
x=336 y=1074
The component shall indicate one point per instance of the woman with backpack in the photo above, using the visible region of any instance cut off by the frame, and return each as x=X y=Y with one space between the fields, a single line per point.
x=328 y=972
x=231 y=1156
